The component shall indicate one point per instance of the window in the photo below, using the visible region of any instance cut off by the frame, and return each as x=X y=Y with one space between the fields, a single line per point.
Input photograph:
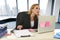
x=22 y=5
x=43 y=6
x=32 y=2
x=11 y=7
x=2 y=8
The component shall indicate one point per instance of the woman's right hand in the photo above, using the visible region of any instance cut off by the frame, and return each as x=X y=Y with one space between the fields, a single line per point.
x=19 y=27
x=31 y=30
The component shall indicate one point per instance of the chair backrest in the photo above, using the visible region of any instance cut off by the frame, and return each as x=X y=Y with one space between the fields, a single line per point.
x=46 y=24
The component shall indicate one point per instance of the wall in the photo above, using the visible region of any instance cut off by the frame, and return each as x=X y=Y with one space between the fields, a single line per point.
x=48 y=9
x=56 y=9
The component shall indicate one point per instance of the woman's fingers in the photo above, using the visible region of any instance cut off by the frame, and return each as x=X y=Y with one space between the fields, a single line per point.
x=31 y=30
x=19 y=27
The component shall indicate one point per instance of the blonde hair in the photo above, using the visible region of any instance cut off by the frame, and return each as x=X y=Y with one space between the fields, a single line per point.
x=32 y=7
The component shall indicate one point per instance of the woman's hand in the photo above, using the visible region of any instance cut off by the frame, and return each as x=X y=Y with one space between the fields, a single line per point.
x=19 y=27
x=31 y=30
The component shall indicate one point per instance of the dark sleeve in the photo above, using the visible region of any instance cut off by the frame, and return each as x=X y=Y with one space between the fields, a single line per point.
x=35 y=22
x=19 y=19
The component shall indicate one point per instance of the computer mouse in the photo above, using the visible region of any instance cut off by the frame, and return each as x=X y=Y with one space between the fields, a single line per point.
x=57 y=35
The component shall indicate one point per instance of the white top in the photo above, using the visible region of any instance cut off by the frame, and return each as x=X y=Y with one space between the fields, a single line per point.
x=32 y=23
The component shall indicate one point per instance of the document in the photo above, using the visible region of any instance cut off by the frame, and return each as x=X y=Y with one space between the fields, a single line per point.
x=22 y=33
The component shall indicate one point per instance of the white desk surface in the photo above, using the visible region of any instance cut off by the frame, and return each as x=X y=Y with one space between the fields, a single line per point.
x=36 y=36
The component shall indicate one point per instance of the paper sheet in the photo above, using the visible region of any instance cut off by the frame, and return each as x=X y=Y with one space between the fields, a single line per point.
x=24 y=32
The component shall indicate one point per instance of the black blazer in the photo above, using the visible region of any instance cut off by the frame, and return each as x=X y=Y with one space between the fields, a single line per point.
x=23 y=18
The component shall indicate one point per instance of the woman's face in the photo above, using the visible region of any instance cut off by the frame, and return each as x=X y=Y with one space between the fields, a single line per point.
x=36 y=10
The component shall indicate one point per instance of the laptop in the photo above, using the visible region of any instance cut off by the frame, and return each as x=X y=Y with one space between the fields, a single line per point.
x=46 y=24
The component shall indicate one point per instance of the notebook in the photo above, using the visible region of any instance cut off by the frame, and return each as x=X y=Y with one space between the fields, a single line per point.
x=46 y=24
x=3 y=30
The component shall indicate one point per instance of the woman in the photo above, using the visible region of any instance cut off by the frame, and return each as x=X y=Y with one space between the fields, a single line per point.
x=27 y=20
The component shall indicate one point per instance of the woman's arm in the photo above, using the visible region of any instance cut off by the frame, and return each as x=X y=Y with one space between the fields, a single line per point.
x=19 y=21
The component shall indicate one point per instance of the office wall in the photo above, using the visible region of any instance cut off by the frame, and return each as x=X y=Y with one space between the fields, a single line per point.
x=31 y=2
x=48 y=9
x=22 y=5
x=56 y=9
x=8 y=8
x=45 y=6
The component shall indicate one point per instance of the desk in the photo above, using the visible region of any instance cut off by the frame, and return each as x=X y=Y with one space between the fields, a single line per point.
x=36 y=36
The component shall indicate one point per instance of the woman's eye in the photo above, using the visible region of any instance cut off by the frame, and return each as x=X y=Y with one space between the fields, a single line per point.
x=38 y=8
